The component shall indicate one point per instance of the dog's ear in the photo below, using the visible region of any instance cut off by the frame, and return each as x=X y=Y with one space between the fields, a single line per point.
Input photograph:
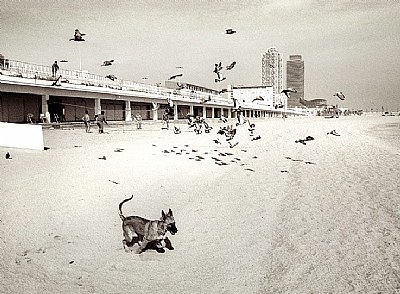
x=163 y=214
x=170 y=212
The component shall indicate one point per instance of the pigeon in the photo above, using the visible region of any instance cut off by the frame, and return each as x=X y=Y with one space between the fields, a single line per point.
x=55 y=83
x=224 y=91
x=340 y=95
x=287 y=91
x=175 y=76
x=111 y=77
x=78 y=36
x=104 y=158
x=217 y=68
x=230 y=66
x=216 y=141
x=177 y=130
x=232 y=145
x=333 y=132
x=220 y=80
x=256 y=138
x=230 y=31
x=108 y=62
x=8 y=156
x=249 y=169
x=258 y=98
x=309 y=162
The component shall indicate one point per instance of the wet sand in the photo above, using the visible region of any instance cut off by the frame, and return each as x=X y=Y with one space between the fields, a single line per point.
x=280 y=217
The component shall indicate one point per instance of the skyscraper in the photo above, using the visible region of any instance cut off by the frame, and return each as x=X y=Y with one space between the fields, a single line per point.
x=272 y=70
x=295 y=80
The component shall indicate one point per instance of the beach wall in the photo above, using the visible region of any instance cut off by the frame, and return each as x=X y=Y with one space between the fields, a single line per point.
x=21 y=136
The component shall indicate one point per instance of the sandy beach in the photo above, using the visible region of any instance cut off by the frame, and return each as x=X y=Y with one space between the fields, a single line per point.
x=279 y=217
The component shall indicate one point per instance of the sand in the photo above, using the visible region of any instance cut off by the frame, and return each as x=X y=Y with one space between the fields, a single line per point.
x=285 y=218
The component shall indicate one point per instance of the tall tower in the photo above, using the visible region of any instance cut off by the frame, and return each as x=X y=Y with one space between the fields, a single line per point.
x=272 y=70
x=295 y=80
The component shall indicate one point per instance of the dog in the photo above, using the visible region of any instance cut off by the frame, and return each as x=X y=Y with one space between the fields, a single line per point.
x=150 y=233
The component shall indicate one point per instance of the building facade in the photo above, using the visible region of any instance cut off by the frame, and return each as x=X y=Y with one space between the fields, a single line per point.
x=261 y=95
x=295 y=80
x=272 y=70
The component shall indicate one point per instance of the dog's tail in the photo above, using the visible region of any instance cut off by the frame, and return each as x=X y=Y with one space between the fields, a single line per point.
x=120 y=207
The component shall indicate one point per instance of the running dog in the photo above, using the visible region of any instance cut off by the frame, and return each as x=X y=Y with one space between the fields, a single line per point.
x=147 y=232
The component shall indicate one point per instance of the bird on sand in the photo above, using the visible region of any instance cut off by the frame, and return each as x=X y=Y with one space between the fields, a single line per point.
x=78 y=36
x=230 y=66
x=340 y=95
x=230 y=31
x=8 y=156
x=333 y=132
x=287 y=91
x=108 y=62
x=175 y=76
x=232 y=145
x=104 y=158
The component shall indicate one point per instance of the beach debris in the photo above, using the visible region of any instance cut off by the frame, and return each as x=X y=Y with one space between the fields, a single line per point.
x=244 y=150
x=8 y=155
x=108 y=62
x=340 y=95
x=114 y=182
x=230 y=31
x=288 y=91
x=287 y=157
x=104 y=158
x=175 y=76
x=77 y=36
x=154 y=145
x=249 y=169
x=333 y=132
x=231 y=66
x=77 y=146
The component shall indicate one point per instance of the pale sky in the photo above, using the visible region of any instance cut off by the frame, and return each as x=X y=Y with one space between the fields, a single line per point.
x=347 y=45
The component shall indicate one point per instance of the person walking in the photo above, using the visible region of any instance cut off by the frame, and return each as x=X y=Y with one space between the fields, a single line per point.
x=86 y=121
x=138 y=119
x=101 y=120
x=54 y=68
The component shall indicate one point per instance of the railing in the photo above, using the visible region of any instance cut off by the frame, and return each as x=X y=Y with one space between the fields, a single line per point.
x=43 y=72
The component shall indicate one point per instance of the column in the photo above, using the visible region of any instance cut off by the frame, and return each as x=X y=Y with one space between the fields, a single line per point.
x=155 y=114
x=45 y=107
x=128 y=111
x=191 y=111
x=175 y=111
x=97 y=106
x=212 y=112
x=204 y=112
x=229 y=113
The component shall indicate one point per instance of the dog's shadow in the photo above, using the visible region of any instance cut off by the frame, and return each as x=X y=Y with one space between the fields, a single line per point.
x=154 y=245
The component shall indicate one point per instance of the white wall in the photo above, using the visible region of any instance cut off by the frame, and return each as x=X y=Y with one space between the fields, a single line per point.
x=21 y=136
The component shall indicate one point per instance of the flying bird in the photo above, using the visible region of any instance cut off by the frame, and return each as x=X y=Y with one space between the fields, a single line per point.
x=175 y=76
x=63 y=60
x=217 y=67
x=287 y=91
x=230 y=31
x=108 y=62
x=111 y=77
x=340 y=95
x=258 y=98
x=220 y=79
x=230 y=66
x=78 y=36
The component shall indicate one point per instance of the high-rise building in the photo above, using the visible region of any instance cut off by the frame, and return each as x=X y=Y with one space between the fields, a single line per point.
x=295 y=80
x=272 y=70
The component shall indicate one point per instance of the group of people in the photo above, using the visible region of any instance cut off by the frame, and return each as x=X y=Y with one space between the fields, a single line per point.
x=101 y=120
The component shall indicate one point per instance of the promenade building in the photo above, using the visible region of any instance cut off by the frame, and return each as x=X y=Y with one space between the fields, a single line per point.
x=295 y=80
x=272 y=71
x=29 y=92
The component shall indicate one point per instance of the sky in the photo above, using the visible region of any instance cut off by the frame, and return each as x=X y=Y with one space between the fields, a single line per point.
x=351 y=46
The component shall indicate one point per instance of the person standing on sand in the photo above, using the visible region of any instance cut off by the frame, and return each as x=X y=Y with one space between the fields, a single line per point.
x=86 y=121
x=138 y=119
x=101 y=120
